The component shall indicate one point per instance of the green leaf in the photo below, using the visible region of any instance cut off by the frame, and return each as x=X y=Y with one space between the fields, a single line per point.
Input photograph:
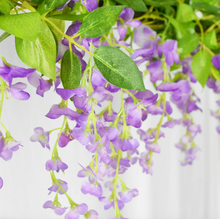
x=182 y=29
x=100 y=21
x=160 y=3
x=25 y=26
x=69 y=17
x=60 y=24
x=206 y=7
x=5 y=7
x=188 y=44
x=52 y=4
x=137 y=5
x=210 y=40
x=215 y=73
x=40 y=54
x=201 y=66
x=185 y=13
x=37 y=1
x=70 y=70
x=118 y=68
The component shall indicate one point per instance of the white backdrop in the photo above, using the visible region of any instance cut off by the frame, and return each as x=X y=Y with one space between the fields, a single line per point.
x=173 y=192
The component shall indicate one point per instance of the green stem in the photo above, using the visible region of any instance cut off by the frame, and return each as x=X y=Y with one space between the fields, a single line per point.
x=55 y=153
x=117 y=211
x=72 y=203
x=136 y=100
x=3 y=126
x=201 y=30
x=28 y=6
x=4 y=36
x=53 y=130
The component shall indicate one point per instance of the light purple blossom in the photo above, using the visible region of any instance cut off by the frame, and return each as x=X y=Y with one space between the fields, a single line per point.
x=55 y=165
x=92 y=214
x=92 y=188
x=55 y=187
x=41 y=136
x=110 y=203
x=93 y=177
x=77 y=211
x=90 y=4
x=216 y=61
x=42 y=85
x=9 y=72
x=127 y=14
x=58 y=110
x=17 y=92
x=7 y=146
x=127 y=195
x=56 y=207
x=65 y=138
x=169 y=49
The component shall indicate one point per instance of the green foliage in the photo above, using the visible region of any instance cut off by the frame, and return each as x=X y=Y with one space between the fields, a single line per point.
x=5 y=7
x=37 y=1
x=40 y=54
x=118 y=68
x=207 y=8
x=137 y=5
x=188 y=44
x=52 y=4
x=201 y=66
x=160 y=3
x=210 y=40
x=69 y=17
x=100 y=21
x=25 y=26
x=60 y=24
x=215 y=73
x=185 y=13
x=70 y=70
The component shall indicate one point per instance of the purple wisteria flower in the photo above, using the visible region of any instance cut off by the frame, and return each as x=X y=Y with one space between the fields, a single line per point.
x=127 y=195
x=92 y=214
x=69 y=3
x=7 y=146
x=75 y=213
x=108 y=203
x=41 y=136
x=1 y=182
x=186 y=65
x=9 y=72
x=169 y=49
x=38 y=82
x=17 y=92
x=92 y=188
x=190 y=156
x=55 y=206
x=144 y=162
x=55 y=187
x=58 y=110
x=72 y=30
x=90 y=4
x=93 y=177
x=65 y=138
x=216 y=61
x=127 y=15
x=55 y=165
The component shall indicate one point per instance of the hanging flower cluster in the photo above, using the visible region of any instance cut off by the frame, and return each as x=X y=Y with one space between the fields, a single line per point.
x=106 y=31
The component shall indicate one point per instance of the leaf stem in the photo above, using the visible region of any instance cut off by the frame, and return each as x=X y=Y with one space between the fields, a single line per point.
x=4 y=36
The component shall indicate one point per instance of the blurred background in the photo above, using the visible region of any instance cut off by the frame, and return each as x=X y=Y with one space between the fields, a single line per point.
x=172 y=192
